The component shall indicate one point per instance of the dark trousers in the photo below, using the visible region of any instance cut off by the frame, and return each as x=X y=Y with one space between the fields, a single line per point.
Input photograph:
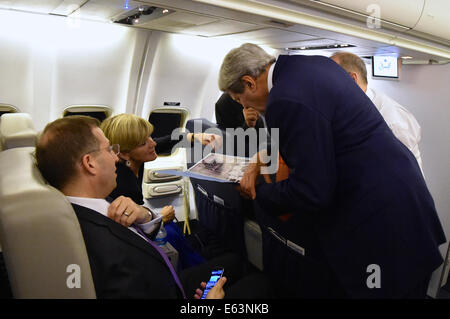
x=420 y=290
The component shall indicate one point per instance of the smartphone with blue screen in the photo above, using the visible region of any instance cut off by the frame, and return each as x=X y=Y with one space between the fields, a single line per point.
x=216 y=274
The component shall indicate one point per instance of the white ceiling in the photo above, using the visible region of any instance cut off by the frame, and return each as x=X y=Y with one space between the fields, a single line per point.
x=194 y=18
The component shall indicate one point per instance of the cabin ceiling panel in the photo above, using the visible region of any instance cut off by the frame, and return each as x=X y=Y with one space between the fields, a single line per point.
x=269 y=36
x=44 y=6
x=401 y=12
x=177 y=22
x=103 y=10
x=220 y=28
x=203 y=18
x=67 y=7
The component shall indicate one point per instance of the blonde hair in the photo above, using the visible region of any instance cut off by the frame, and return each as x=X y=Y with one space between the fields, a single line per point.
x=127 y=130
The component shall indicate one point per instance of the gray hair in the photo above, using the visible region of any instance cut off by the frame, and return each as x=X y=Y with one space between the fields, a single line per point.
x=248 y=59
x=351 y=63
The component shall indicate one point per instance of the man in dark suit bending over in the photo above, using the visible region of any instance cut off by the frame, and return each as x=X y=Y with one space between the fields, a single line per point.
x=359 y=187
x=74 y=156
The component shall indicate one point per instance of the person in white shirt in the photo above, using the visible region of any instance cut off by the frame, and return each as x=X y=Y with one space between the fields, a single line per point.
x=402 y=123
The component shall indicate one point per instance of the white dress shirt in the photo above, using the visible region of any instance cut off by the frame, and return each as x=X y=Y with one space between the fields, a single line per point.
x=269 y=77
x=101 y=206
x=264 y=157
x=402 y=123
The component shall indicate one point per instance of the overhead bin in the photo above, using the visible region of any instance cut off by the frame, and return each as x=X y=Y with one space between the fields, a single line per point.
x=435 y=19
x=426 y=16
x=402 y=12
x=316 y=15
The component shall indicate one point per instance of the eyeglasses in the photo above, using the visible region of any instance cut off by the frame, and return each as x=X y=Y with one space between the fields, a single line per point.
x=115 y=148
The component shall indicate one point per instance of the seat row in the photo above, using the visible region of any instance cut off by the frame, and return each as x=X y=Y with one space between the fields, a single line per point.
x=17 y=129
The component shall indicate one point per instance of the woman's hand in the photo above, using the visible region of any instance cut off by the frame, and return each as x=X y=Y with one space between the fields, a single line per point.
x=212 y=140
x=167 y=213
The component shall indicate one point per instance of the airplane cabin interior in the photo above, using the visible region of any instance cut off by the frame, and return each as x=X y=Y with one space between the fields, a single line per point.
x=160 y=60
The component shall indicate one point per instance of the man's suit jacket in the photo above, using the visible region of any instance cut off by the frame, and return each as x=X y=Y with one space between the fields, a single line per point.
x=123 y=265
x=229 y=114
x=356 y=187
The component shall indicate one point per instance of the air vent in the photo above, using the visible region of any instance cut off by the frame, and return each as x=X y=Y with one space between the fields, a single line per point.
x=321 y=47
x=142 y=14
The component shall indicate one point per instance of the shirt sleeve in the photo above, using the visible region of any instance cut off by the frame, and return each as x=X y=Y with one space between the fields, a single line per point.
x=152 y=225
x=164 y=144
x=404 y=125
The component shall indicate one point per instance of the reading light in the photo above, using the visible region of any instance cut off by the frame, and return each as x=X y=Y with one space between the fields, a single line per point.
x=148 y=11
x=141 y=14
x=407 y=57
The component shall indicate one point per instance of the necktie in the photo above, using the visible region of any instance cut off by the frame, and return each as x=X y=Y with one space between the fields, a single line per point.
x=166 y=259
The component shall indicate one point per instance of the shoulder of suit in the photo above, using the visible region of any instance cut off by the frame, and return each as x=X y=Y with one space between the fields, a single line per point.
x=91 y=215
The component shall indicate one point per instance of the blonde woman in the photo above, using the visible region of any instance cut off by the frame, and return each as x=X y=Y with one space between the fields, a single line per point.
x=132 y=133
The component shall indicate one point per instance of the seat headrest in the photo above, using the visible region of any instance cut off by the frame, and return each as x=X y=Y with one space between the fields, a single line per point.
x=17 y=130
x=40 y=235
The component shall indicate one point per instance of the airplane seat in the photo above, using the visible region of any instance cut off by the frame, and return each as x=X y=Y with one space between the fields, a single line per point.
x=292 y=257
x=4 y=109
x=8 y=108
x=220 y=207
x=100 y=112
x=17 y=130
x=43 y=246
x=161 y=189
x=197 y=151
x=230 y=144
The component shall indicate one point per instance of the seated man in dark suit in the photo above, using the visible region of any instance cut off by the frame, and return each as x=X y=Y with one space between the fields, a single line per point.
x=75 y=157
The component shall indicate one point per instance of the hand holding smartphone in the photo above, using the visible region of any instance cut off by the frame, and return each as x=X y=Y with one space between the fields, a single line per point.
x=216 y=274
